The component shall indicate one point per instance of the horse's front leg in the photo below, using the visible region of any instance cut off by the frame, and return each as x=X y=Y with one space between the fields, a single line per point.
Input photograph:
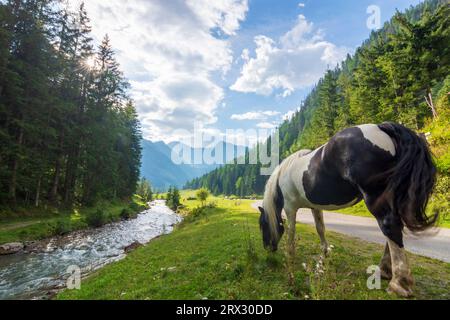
x=320 y=227
x=291 y=245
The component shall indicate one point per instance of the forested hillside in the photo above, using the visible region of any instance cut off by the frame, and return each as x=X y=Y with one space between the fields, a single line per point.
x=387 y=79
x=69 y=132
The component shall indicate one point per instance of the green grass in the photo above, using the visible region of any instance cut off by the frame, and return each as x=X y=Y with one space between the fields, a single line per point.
x=40 y=223
x=358 y=210
x=219 y=255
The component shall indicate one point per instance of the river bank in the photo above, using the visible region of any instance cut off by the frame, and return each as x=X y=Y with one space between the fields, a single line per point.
x=41 y=274
x=31 y=225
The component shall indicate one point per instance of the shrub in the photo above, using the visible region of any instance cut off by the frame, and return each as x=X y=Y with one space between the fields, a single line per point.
x=63 y=227
x=443 y=163
x=136 y=207
x=211 y=205
x=127 y=213
x=96 y=218
x=197 y=212
x=113 y=218
x=203 y=195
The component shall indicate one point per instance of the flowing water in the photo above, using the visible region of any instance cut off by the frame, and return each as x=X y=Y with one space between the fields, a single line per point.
x=26 y=276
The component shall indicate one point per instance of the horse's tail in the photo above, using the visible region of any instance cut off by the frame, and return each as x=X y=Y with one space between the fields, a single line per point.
x=411 y=181
x=273 y=201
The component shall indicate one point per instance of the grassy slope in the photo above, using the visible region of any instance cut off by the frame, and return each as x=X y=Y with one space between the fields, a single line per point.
x=36 y=224
x=220 y=256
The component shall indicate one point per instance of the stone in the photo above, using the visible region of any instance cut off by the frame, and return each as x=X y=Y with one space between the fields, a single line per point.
x=35 y=247
x=132 y=247
x=11 y=248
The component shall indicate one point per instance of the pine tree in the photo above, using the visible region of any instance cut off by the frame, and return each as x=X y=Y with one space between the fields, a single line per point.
x=68 y=131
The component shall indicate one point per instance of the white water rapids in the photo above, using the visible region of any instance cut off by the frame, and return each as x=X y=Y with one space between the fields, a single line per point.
x=31 y=275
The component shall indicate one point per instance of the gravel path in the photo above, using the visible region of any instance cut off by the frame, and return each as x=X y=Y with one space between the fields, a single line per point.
x=434 y=246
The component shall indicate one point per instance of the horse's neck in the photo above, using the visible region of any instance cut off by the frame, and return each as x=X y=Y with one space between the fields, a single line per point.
x=291 y=175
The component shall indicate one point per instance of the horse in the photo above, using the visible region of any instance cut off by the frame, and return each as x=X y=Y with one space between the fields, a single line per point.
x=388 y=166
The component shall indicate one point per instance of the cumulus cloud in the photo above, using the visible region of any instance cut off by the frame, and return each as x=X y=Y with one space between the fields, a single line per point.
x=289 y=114
x=297 y=60
x=266 y=125
x=255 y=115
x=170 y=52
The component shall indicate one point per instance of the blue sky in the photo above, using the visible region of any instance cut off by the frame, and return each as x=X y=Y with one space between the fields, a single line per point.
x=228 y=64
x=343 y=23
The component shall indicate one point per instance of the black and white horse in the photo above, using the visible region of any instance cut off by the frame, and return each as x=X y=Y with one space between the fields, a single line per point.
x=387 y=165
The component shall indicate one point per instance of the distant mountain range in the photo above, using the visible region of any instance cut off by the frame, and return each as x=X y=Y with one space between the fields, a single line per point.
x=158 y=167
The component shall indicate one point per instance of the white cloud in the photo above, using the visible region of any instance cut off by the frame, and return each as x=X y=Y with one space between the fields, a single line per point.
x=245 y=55
x=297 y=60
x=169 y=53
x=289 y=115
x=222 y=14
x=255 y=115
x=301 y=5
x=266 y=125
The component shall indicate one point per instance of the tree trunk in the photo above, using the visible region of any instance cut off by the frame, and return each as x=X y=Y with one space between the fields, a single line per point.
x=38 y=192
x=14 y=169
x=54 y=190
x=68 y=180
x=55 y=184
x=71 y=175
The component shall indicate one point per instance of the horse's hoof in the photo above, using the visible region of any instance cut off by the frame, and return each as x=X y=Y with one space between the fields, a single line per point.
x=326 y=250
x=401 y=288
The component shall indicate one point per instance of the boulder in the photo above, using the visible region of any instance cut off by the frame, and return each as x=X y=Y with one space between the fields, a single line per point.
x=35 y=247
x=11 y=248
x=132 y=247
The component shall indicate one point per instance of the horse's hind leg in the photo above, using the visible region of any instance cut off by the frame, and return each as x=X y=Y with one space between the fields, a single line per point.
x=386 y=264
x=320 y=227
x=402 y=280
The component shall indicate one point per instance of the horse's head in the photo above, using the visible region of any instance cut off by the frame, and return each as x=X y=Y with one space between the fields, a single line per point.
x=270 y=240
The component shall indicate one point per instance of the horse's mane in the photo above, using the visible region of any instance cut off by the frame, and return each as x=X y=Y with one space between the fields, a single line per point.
x=303 y=152
x=269 y=203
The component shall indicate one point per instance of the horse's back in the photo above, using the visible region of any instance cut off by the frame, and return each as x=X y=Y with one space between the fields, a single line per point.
x=360 y=153
x=341 y=170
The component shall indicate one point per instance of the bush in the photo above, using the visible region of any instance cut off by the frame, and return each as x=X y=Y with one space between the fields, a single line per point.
x=63 y=227
x=112 y=218
x=127 y=214
x=197 y=212
x=211 y=205
x=443 y=163
x=136 y=207
x=96 y=218
x=203 y=195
